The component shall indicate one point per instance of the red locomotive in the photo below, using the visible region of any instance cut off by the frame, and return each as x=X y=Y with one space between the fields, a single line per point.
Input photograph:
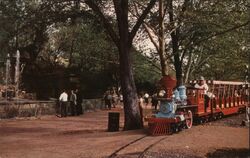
x=181 y=106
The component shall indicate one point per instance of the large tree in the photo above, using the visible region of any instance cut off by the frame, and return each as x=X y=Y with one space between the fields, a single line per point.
x=123 y=40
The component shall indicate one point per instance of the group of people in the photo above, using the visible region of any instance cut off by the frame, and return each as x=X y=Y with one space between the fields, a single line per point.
x=111 y=99
x=144 y=100
x=74 y=100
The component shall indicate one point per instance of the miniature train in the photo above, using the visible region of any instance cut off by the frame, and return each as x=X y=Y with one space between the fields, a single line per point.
x=180 y=107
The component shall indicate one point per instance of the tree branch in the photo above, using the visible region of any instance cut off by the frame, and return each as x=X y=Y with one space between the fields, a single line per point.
x=189 y=65
x=153 y=63
x=183 y=55
x=147 y=28
x=107 y=25
x=141 y=19
x=142 y=6
x=223 y=32
x=151 y=37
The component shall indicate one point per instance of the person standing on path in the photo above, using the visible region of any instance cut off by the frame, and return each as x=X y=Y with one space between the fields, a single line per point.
x=79 y=110
x=63 y=99
x=72 y=103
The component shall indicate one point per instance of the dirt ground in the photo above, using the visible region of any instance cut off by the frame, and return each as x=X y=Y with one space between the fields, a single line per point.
x=86 y=136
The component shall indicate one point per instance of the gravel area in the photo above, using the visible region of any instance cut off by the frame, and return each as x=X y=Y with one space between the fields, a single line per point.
x=86 y=136
x=230 y=121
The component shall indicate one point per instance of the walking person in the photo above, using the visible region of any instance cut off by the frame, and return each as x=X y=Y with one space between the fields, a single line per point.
x=63 y=99
x=105 y=98
x=72 y=103
x=109 y=100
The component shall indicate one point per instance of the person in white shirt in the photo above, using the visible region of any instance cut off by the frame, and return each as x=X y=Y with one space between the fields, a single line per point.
x=202 y=85
x=63 y=102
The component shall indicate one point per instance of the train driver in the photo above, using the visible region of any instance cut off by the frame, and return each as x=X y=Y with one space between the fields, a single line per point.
x=202 y=85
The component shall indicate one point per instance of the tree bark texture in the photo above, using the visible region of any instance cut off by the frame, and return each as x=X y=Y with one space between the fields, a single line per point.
x=175 y=45
x=163 y=59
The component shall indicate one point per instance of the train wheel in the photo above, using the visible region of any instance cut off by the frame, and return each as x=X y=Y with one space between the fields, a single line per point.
x=201 y=121
x=215 y=117
x=220 y=115
x=189 y=119
x=210 y=119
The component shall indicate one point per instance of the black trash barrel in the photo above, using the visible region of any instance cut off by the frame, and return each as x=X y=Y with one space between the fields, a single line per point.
x=113 y=122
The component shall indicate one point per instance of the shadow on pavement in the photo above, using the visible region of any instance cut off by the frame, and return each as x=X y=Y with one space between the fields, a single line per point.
x=229 y=153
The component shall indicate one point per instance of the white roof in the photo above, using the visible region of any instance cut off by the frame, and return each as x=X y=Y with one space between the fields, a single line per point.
x=222 y=82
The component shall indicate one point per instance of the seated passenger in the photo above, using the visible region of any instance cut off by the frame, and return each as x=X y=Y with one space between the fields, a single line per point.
x=236 y=94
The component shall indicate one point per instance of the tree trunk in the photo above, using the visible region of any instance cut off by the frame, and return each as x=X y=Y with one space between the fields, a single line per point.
x=177 y=61
x=160 y=48
x=71 y=52
x=189 y=65
x=175 y=46
x=178 y=70
x=163 y=60
x=131 y=108
x=124 y=44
